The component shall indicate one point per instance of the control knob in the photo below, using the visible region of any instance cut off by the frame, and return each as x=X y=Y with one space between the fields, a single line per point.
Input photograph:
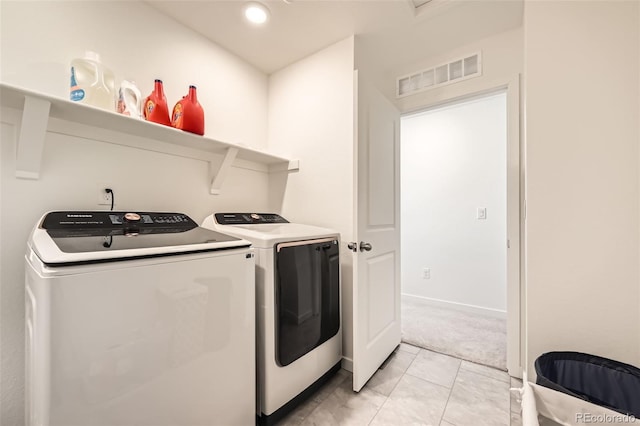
x=131 y=217
x=131 y=221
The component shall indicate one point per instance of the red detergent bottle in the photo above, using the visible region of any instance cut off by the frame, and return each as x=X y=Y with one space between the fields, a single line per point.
x=188 y=114
x=155 y=106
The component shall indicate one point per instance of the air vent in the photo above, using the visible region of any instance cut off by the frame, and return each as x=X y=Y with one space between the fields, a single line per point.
x=452 y=72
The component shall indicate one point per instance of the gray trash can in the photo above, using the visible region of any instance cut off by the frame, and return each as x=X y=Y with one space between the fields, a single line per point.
x=601 y=381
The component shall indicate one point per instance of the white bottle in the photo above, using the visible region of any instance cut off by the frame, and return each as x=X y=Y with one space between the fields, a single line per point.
x=129 y=100
x=92 y=83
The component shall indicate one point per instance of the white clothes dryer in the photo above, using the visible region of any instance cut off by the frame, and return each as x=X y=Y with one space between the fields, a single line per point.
x=299 y=333
x=138 y=319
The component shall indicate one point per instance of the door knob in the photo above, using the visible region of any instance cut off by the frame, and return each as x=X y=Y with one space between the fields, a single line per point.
x=365 y=246
x=353 y=246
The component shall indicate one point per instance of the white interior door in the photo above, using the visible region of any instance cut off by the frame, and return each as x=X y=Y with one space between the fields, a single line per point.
x=376 y=281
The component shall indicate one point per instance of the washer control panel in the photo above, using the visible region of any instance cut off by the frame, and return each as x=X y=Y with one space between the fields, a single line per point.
x=98 y=231
x=110 y=220
x=150 y=218
x=248 y=218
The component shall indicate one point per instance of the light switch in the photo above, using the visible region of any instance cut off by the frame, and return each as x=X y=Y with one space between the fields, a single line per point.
x=482 y=213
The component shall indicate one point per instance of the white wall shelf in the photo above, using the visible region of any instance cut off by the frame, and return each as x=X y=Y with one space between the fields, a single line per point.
x=37 y=108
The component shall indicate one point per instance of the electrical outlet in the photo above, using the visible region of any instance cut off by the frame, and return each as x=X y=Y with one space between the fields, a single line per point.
x=104 y=198
x=426 y=273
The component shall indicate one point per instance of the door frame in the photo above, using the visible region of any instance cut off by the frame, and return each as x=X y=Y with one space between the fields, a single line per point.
x=515 y=163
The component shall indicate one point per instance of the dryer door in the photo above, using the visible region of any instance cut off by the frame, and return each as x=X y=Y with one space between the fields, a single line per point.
x=307 y=296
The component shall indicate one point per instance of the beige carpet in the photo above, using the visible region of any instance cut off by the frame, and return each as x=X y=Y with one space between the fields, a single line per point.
x=470 y=336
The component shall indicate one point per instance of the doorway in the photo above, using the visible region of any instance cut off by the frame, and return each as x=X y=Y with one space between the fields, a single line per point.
x=454 y=240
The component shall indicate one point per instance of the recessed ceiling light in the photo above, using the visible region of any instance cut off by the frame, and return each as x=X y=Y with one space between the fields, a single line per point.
x=256 y=13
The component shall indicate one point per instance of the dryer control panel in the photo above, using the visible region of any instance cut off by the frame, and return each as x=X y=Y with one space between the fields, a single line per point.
x=248 y=218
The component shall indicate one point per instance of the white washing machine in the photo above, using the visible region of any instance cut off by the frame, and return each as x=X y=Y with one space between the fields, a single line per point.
x=298 y=306
x=138 y=319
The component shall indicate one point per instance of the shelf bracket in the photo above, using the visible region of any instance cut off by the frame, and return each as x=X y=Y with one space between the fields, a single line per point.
x=219 y=178
x=33 y=129
x=293 y=165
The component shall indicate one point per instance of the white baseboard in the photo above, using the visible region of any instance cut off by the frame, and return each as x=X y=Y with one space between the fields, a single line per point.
x=347 y=364
x=495 y=313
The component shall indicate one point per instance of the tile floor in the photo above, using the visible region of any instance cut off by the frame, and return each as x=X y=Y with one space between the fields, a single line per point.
x=415 y=387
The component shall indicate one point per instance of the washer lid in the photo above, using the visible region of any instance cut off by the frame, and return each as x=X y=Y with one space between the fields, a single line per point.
x=265 y=234
x=89 y=236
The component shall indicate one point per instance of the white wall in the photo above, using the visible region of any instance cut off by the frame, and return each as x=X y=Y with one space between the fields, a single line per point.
x=311 y=117
x=582 y=136
x=453 y=162
x=37 y=42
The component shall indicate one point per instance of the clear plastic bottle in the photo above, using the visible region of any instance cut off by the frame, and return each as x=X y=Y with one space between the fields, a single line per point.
x=92 y=83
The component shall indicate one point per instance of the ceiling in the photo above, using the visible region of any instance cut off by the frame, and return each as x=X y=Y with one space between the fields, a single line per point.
x=396 y=32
